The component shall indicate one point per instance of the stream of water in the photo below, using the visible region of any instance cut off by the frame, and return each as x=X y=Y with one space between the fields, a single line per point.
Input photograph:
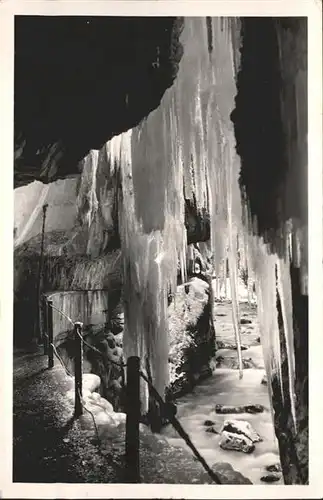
x=224 y=387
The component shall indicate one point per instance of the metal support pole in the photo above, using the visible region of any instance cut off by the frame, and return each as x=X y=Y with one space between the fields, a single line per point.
x=78 y=410
x=132 y=421
x=50 y=334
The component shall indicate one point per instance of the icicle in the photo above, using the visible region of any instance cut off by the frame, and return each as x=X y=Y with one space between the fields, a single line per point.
x=235 y=310
x=284 y=290
x=233 y=270
x=265 y=342
x=23 y=236
x=264 y=265
x=87 y=202
x=152 y=241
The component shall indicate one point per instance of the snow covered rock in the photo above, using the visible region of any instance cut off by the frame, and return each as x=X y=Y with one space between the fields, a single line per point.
x=236 y=442
x=90 y=381
x=274 y=467
x=241 y=427
x=106 y=423
x=96 y=400
x=120 y=417
x=70 y=395
x=95 y=396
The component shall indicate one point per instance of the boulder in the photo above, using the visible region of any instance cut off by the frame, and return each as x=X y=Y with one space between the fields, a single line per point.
x=271 y=478
x=227 y=409
x=254 y=408
x=224 y=345
x=228 y=475
x=211 y=429
x=264 y=380
x=209 y=422
x=273 y=468
x=245 y=321
x=241 y=427
x=236 y=442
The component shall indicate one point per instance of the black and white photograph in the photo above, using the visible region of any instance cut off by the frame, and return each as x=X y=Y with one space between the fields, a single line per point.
x=160 y=250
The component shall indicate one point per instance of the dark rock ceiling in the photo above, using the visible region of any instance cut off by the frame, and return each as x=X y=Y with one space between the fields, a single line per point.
x=81 y=80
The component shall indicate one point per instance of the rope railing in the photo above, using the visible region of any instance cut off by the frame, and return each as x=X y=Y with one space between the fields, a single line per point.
x=153 y=391
x=61 y=312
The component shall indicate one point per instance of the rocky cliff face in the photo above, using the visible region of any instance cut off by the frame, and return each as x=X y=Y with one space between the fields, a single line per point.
x=271 y=131
x=192 y=336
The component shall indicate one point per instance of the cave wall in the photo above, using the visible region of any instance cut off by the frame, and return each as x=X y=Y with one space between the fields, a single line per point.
x=270 y=120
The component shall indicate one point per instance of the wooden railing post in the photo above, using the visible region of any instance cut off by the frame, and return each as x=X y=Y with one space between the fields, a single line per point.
x=38 y=325
x=132 y=421
x=50 y=334
x=78 y=363
x=45 y=332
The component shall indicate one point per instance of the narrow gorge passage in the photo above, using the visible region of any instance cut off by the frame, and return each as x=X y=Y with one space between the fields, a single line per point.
x=197 y=410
